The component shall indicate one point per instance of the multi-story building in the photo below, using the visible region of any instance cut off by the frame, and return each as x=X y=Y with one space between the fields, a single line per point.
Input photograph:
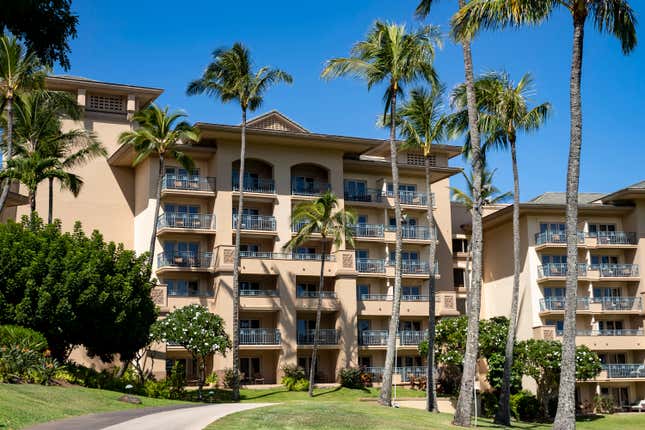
x=610 y=316
x=285 y=166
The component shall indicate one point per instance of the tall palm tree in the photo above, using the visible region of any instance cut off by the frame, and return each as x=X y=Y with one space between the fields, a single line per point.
x=393 y=56
x=423 y=122
x=491 y=195
x=609 y=16
x=321 y=217
x=160 y=135
x=230 y=77
x=20 y=70
x=465 y=401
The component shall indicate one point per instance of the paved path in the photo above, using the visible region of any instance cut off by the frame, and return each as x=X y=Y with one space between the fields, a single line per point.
x=178 y=417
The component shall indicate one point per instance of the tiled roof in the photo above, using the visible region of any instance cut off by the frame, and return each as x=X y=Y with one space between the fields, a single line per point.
x=552 y=198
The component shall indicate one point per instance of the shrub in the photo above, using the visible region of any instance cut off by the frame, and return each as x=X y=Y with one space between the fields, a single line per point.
x=229 y=377
x=177 y=380
x=23 y=355
x=45 y=372
x=525 y=406
x=294 y=378
x=26 y=338
x=603 y=404
x=157 y=389
x=212 y=379
x=293 y=371
x=350 y=377
x=301 y=385
x=489 y=404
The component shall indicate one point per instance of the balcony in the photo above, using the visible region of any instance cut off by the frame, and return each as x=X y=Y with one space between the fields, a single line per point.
x=624 y=371
x=370 y=265
x=416 y=233
x=407 y=337
x=326 y=336
x=402 y=372
x=309 y=188
x=186 y=221
x=256 y=222
x=619 y=303
x=616 y=238
x=606 y=332
x=316 y=294
x=368 y=230
x=268 y=255
x=618 y=270
x=414 y=267
x=559 y=270
x=556 y=238
x=251 y=185
x=259 y=293
x=189 y=260
x=259 y=336
x=368 y=196
x=412 y=198
x=373 y=337
x=188 y=183
x=558 y=303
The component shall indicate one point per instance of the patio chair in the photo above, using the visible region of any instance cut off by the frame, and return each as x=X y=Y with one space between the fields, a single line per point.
x=258 y=379
x=639 y=407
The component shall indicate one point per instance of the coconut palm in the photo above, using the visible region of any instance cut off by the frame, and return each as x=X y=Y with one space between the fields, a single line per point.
x=422 y=123
x=465 y=401
x=159 y=134
x=491 y=195
x=230 y=77
x=392 y=55
x=609 y=16
x=321 y=217
x=20 y=70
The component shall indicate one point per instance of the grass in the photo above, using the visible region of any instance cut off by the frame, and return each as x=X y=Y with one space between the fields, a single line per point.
x=279 y=395
x=25 y=404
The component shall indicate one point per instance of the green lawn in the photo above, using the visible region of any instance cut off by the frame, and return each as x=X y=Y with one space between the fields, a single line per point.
x=23 y=405
x=279 y=395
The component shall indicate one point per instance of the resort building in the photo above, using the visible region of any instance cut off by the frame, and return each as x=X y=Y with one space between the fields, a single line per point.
x=610 y=318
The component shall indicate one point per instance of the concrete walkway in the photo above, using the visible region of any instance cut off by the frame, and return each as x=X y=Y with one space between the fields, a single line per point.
x=168 y=418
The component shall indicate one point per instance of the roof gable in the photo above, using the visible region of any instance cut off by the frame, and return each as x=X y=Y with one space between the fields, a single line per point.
x=276 y=121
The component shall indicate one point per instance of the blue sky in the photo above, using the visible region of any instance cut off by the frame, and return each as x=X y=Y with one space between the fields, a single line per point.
x=167 y=43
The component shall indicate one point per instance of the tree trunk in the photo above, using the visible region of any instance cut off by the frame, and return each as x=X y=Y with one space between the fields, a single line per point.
x=565 y=418
x=123 y=368
x=503 y=415
x=5 y=160
x=153 y=238
x=431 y=386
x=236 y=268
x=314 y=351
x=201 y=376
x=50 y=214
x=385 y=397
x=32 y=201
x=465 y=402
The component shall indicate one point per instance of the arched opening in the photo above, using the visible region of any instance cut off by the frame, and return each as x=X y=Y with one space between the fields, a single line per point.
x=309 y=179
x=258 y=176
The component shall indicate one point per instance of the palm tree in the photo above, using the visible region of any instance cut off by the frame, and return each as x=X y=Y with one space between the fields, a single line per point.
x=491 y=195
x=609 y=16
x=423 y=122
x=19 y=71
x=391 y=55
x=231 y=77
x=160 y=135
x=318 y=217
x=465 y=401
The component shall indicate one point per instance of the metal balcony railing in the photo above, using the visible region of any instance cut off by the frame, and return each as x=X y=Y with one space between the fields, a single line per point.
x=184 y=259
x=375 y=297
x=259 y=293
x=408 y=337
x=618 y=270
x=377 y=372
x=556 y=237
x=558 y=303
x=326 y=336
x=256 y=222
x=616 y=238
x=625 y=370
x=310 y=189
x=370 y=265
x=619 y=303
x=559 y=269
x=368 y=230
x=373 y=337
x=268 y=255
x=188 y=182
x=412 y=198
x=315 y=294
x=608 y=332
x=414 y=298
x=255 y=185
x=416 y=232
x=185 y=292
x=259 y=336
x=184 y=220
x=413 y=267
x=368 y=196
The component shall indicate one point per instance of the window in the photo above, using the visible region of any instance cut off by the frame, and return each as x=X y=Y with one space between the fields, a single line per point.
x=249 y=323
x=411 y=291
x=402 y=188
x=606 y=292
x=247 y=247
x=554 y=259
x=364 y=361
x=610 y=325
x=362 y=219
x=460 y=245
x=181 y=173
x=602 y=260
x=552 y=227
x=408 y=361
x=182 y=287
x=362 y=290
x=418 y=159
x=362 y=254
x=363 y=325
x=559 y=324
x=406 y=256
x=247 y=211
x=554 y=292
x=106 y=103
x=410 y=326
x=601 y=229
x=250 y=367
x=459 y=276
x=306 y=325
x=354 y=187
x=304 y=289
x=248 y=286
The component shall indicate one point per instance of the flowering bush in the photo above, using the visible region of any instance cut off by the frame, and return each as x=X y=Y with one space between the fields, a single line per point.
x=24 y=356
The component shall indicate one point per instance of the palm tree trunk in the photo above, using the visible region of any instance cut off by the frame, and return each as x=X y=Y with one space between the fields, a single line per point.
x=50 y=214
x=236 y=268
x=5 y=160
x=565 y=416
x=153 y=238
x=503 y=415
x=386 y=388
x=32 y=201
x=465 y=402
x=431 y=386
x=314 y=352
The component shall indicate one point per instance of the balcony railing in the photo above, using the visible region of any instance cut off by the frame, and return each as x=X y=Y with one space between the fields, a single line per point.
x=256 y=222
x=377 y=372
x=259 y=293
x=413 y=267
x=616 y=238
x=184 y=259
x=268 y=255
x=184 y=220
x=556 y=237
x=373 y=337
x=259 y=336
x=559 y=269
x=558 y=303
x=315 y=294
x=255 y=185
x=367 y=196
x=368 y=230
x=412 y=198
x=408 y=337
x=188 y=182
x=310 y=189
x=618 y=270
x=624 y=370
x=414 y=298
x=370 y=265
x=619 y=303
x=608 y=332
x=184 y=292
x=326 y=336
x=375 y=297
x=416 y=232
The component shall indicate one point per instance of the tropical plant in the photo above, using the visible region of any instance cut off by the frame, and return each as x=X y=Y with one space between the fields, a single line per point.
x=465 y=401
x=321 y=217
x=20 y=70
x=160 y=135
x=490 y=195
x=615 y=17
x=196 y=329
x=230 y=77
x=396 y=57
x=422 y=123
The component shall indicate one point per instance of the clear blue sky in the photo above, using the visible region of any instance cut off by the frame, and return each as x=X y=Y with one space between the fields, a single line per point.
x=167 y=43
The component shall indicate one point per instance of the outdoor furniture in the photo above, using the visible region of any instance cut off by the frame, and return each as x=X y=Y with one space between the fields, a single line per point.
x=258 y=379
x=640 y=406
x=413 y=380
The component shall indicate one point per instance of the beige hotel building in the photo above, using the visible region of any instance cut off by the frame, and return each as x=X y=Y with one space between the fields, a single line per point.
x=286 y=165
